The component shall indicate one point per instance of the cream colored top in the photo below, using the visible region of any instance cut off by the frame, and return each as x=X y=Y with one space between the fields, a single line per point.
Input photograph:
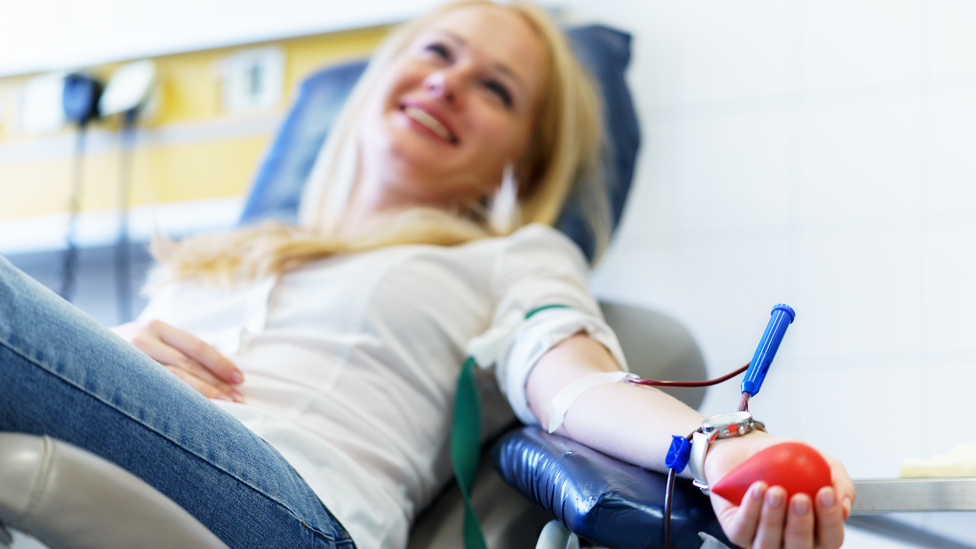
x=351 y=362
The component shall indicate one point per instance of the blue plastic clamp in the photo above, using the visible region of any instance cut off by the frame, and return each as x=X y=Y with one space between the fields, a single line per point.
x=781 y=317
x=678 y=454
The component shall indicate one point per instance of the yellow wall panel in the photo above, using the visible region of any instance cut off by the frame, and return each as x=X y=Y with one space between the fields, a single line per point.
x=44 y=187
x=189 y=88
x=305 y=55
x=197 y=171
x=210 y=169
x=34 y=188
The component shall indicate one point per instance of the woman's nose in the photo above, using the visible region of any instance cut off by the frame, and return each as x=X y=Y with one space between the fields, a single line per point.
x=443 y=86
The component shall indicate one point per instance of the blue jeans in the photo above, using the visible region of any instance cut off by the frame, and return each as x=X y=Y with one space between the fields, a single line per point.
x=64 y=375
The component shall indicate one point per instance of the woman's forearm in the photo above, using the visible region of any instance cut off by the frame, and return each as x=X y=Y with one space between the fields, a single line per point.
x=635 y=424
x=630 y=422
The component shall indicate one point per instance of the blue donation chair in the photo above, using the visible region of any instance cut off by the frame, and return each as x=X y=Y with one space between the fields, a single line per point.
x=69 y=498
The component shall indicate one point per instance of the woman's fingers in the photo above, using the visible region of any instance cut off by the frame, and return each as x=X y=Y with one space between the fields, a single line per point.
x=830 y=519
x=808 y=523
x=170 y=356
x=799 y=523
x=742 y=528
x=175 y=361
x=843 y=485
x=770 y=533
x=164 y=353
x=181 y=353
x=198 y=384
x=198 y=350
x=767 y=519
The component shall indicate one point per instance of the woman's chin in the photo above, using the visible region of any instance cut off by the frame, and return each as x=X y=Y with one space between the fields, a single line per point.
x=423 y=154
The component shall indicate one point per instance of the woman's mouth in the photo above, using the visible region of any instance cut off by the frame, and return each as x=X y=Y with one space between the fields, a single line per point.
x=424 y=118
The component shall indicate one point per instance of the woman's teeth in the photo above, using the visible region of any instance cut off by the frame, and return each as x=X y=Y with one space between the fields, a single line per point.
x=429 y=122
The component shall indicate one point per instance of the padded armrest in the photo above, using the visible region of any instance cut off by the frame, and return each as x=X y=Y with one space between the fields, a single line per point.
x=69 y=498
x=606 y=501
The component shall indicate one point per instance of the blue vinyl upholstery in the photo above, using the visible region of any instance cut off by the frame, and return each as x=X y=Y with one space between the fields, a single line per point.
x=601 y=499
x=280 y=180
x=278 y=186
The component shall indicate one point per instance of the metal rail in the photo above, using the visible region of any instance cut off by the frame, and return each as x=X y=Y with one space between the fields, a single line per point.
x=911 y=495
x=914 y=495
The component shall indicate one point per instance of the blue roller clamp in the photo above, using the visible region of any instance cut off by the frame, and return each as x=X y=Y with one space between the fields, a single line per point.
x=678 y=454
x=780 y=319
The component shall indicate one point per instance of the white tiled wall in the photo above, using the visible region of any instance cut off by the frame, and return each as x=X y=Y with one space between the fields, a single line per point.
x=820 y=153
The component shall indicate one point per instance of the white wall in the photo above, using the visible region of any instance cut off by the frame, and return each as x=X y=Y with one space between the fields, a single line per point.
x=817 y=153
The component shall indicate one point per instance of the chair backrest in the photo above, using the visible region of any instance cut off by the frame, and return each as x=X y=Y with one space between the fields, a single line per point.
x=658 y=347
x=281 y=178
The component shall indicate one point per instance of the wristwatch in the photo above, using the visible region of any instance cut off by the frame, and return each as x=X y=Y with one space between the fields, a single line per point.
x=730 y=425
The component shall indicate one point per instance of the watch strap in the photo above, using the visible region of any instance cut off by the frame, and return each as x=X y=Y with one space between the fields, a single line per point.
x=699 y=447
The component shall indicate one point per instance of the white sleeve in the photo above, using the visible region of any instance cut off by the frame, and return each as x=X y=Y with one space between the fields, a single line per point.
x=540 y=267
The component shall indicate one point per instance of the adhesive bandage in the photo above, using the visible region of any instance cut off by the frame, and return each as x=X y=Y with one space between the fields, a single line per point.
x=564 y=399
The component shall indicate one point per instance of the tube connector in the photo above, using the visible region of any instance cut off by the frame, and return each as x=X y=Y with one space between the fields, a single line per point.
x=780 y=319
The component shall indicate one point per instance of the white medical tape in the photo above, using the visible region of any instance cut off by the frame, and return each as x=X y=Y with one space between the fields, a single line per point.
x=564 y=399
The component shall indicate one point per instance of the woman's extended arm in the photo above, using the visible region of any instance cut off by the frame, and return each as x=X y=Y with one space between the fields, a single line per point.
x=635 y=424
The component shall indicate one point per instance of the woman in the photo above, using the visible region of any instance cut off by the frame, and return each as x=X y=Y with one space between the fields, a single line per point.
x=350 y=329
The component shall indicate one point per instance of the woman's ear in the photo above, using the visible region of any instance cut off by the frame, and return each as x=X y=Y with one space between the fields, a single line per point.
x=503 y=207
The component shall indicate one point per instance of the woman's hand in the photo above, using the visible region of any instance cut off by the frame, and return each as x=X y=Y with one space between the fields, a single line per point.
x=192 y=360
x=764 y=519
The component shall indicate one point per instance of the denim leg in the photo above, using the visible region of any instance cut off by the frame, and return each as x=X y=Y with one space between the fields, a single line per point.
x=62 y=374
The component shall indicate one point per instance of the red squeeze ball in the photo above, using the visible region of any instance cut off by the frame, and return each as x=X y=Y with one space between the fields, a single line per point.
x=792 y=465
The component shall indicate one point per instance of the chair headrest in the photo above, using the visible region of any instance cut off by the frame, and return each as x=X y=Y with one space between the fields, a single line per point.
x=278 y=186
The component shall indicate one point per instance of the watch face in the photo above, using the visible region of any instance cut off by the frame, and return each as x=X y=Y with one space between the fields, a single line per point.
x=726 y=425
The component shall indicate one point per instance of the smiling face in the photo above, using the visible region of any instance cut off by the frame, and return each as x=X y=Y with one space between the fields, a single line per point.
x=451 y=110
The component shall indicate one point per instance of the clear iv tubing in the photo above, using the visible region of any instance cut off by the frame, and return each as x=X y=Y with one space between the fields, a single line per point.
x=656 y=383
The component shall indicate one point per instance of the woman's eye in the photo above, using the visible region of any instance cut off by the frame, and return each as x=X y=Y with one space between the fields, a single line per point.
x=500 y=90
x=439 y=50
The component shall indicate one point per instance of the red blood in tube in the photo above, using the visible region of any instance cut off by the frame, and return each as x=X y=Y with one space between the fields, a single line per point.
x=792 y=465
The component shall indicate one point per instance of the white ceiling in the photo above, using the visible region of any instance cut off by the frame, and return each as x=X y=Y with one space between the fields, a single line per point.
x=43 y=35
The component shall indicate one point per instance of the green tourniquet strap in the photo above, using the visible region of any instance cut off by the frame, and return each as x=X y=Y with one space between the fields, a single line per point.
x=465 y=446
x=466 y=442
x=532 y=312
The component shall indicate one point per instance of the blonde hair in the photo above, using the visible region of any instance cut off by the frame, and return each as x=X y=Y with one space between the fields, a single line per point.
x=564 y=154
